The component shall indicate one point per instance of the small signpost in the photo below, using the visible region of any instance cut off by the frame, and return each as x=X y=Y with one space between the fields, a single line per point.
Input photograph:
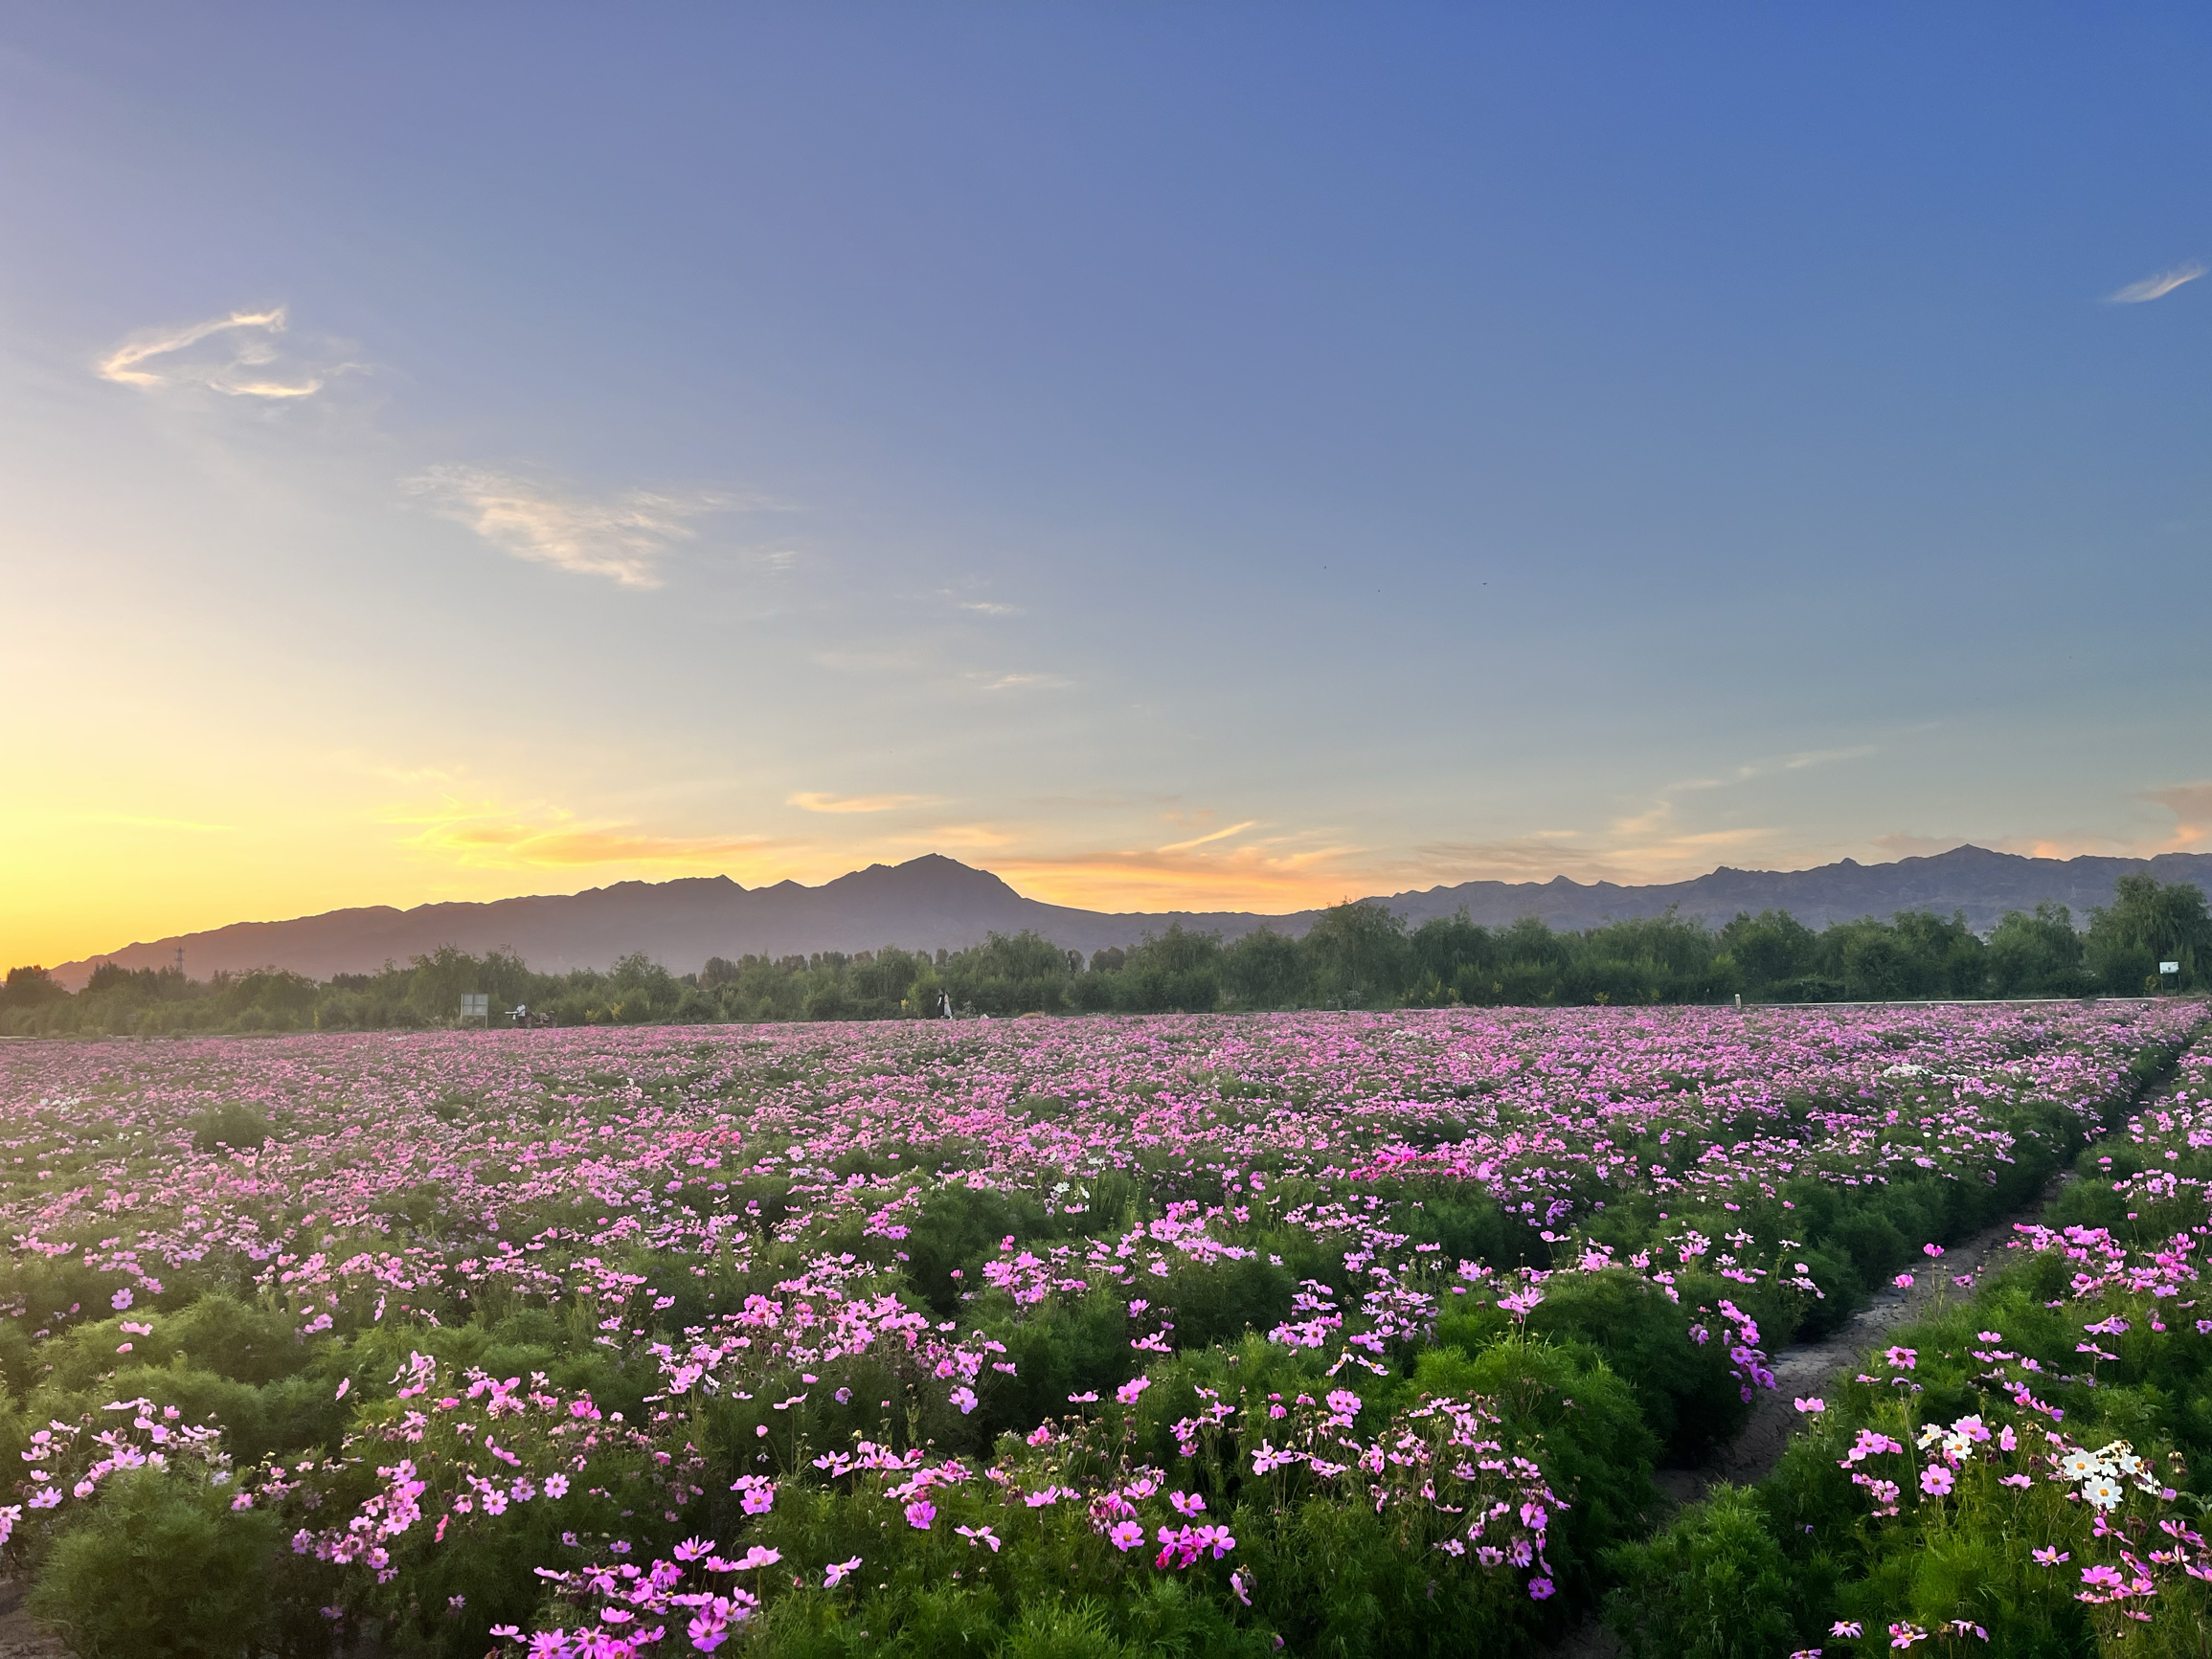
x=476 y=1005
x=2166 y=969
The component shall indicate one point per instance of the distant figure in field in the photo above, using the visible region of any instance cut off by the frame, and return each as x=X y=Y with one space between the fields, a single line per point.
x=945 y=1003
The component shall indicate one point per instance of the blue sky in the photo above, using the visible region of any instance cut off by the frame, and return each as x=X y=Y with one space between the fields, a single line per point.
x=1200 y=455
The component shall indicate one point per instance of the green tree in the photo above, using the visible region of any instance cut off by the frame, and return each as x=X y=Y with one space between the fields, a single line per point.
x=1443 y=948
x=1008 y=974
x=2036 y=954
x=1360 y=954
x=1947 y=957
x=1264 y=968
x=1175 y=969
x=29 y=987
x=2149 y=922
x=1770 y=949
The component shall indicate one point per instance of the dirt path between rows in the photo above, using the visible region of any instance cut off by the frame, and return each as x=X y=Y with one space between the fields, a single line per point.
x=1809 y=1368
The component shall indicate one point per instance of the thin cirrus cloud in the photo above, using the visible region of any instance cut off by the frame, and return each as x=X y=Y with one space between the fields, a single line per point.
x=1219 y=835
x=813 y=801
x=245 y=363
x=487 y=835
x=2157 y=287
x=624 y=537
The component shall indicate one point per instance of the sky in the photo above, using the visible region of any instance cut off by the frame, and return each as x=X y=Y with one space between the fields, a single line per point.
x=1209 y=456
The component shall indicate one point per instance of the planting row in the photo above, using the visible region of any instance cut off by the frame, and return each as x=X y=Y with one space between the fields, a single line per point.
x=2024 y=1473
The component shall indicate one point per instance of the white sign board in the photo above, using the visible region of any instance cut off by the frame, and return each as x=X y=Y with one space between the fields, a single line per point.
x=475 y=1004
x=2169 y=966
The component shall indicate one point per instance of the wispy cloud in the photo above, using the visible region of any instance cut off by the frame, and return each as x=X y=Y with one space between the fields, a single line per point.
x=2191 y=804
x=1630 y=851
x=2157 y=287
x=1219 y=835
x=1020 y=682
x=989 y=607
x=486 y=834
x=1803 y=761
x=815 y=801
x=245 y=365
x=624 y=536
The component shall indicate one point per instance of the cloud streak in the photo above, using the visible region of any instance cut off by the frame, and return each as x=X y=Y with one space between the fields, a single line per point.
x=2156 y=287
x=487 y=835
x=624 y=537
x=814 y=801
x=1219 y=835
x=152 y=359
x=2191 y=804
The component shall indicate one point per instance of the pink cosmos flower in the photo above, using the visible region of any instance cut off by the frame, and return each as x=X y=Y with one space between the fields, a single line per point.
x=1127 y=1536
x=921 y=1515
x=1935 y=1480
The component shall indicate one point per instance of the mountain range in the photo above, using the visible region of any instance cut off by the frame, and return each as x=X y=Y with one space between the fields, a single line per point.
x=933 y=901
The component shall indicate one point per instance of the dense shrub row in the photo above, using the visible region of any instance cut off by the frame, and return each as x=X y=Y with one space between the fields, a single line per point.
x=2023 y=1473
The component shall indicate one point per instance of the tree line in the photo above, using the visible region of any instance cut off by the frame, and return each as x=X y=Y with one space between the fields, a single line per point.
x=1357 y=955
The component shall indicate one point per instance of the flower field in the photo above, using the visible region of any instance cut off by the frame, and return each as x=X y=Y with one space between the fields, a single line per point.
x=1325 y=1333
